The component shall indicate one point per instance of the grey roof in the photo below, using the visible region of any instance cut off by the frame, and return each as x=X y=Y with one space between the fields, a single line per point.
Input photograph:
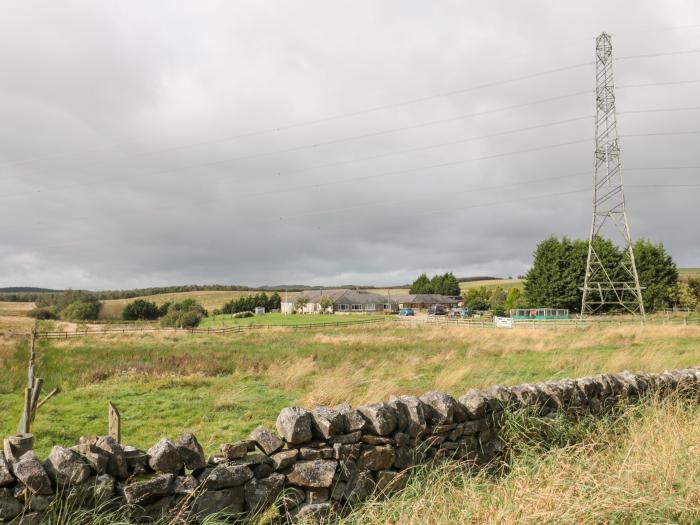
x=343 y=296
x=347 y=296
x=424 y=298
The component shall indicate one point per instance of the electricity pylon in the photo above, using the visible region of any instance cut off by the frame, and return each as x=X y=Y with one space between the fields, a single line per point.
x=609 y=282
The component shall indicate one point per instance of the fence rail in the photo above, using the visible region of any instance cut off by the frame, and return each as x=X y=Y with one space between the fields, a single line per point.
x=551 y=323
x=213 y=331
x=433 y=320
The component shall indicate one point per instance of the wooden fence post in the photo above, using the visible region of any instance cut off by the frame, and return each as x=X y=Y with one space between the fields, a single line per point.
x=31 y=393
x=114 y=423
x=23 y=427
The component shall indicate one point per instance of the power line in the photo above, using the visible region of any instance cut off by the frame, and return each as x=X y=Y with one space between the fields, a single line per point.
x=663 y=185
x=659 y=110
x=365 y=111
x=417 y=169
x=401 y=172
x=654 y=55
x=372 y=109
x=335 y=141
x=383 y=132
x=445 y=210
x=654 y=84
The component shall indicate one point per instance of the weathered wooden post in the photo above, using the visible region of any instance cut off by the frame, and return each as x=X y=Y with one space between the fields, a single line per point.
x=23 y=427
x=31 y=393
x=114 y=429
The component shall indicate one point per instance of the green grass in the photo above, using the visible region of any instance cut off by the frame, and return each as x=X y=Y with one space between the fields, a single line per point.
x=278 y=319
x=221 y=386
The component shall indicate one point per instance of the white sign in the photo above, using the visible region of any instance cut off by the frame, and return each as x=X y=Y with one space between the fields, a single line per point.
x=503 y=322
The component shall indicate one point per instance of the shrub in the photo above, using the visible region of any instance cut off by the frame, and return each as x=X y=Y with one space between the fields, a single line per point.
x=187 y=314
x=181 y=319
x=141 y=310
x=163 y=309
x=42 y=313
x=81 y=310
x=189 y=305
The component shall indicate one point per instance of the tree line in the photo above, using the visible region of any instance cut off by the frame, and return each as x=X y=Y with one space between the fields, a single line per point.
x=444 y=284
x=251 y=302
x=38 y=295
x=559 y=269
x=557 y=275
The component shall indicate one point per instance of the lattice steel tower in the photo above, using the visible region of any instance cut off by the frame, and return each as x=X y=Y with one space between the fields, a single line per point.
x=609 y=283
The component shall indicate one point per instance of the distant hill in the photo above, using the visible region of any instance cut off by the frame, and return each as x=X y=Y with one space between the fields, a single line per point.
x=28 y=289
x=32 y=293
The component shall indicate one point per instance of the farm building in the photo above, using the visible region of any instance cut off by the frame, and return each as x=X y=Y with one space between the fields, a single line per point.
x=344 y=301
x=425 y=300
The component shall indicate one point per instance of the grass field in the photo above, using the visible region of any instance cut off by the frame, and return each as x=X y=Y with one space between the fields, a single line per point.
x=221 y=387
x=112 y=308
x=277 y=319
x=13 y=317
x=506 y=284
x=684 y=273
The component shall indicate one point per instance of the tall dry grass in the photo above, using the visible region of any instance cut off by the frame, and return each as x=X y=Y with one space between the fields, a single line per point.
x=641 y=468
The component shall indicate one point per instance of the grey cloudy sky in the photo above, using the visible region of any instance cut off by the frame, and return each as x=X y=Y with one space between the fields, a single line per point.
x=155 y=143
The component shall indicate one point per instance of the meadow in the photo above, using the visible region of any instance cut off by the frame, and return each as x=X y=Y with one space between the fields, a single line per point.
x=221 y=386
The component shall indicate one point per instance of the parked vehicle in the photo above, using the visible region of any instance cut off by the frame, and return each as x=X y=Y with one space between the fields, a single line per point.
x=461 y=312
x=406 y=311
x=437 y=309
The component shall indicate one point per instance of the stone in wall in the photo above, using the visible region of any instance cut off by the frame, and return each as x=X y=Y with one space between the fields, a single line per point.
x=116 y=463
x=266 y=440
x=316 y=473
x=165 y=457
x=66 y=467
x=31 y=473
x=294 y=425
x=380 y=418
x=190 y=451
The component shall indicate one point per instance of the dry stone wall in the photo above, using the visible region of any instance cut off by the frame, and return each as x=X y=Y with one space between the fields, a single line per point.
x=311 y=462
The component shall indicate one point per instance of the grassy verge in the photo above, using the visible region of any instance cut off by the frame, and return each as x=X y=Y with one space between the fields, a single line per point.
x=221 y=387
x=641 y=468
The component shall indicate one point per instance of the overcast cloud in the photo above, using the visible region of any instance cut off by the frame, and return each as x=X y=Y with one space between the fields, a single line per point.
x=156 y=143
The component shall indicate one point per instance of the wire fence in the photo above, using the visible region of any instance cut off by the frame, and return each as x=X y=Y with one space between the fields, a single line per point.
x=553 y=323
x=485 y=322
x=87 y=331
